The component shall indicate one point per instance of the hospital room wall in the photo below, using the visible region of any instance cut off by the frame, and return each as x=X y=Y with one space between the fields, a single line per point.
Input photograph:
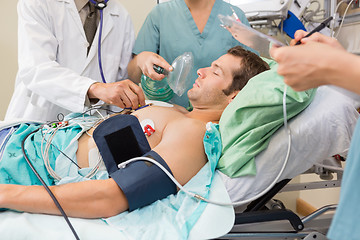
x=8 y=53
x=8 y=42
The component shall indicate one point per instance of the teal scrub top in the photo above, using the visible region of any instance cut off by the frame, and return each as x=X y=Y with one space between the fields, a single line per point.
x=345 y=224
x=170 y=30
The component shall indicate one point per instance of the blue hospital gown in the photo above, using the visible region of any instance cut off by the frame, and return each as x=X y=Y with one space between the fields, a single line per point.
x=345 y=224
x=13 y=166
x=169 y=30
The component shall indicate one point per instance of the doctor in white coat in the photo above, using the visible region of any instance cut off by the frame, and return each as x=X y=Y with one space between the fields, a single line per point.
x=56 y=75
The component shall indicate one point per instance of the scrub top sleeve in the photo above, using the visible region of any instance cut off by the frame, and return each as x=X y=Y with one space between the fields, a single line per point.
x=148 y=38
x=345 y=224
x=126 y=54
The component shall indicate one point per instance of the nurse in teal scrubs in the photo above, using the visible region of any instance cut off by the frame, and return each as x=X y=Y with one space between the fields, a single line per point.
x=178 y=26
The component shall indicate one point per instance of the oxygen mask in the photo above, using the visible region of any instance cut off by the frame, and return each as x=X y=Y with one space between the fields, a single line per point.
x=178 y=79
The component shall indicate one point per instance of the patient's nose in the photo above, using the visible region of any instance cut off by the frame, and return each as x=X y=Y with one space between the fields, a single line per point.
x=201 y=73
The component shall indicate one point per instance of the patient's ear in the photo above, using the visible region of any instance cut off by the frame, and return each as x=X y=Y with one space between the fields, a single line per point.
x=232 y=96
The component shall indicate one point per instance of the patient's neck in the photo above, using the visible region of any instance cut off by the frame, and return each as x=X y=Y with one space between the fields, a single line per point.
x=205 y=115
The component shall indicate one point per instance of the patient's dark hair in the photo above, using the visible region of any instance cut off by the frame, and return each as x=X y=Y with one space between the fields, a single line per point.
x=251 y=65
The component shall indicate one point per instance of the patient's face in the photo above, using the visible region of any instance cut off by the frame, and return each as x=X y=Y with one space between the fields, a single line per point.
x=208 y=87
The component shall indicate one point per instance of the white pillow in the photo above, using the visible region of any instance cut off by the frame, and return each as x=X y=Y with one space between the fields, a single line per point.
x=322 y=130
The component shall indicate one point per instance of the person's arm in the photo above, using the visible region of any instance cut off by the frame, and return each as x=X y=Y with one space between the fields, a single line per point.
x=146 y=47
x=133 y=70
x=345 y=72
x=122 y=93
x=39 y=67
x=87 y=199
x=318 y=61
x=39 y=70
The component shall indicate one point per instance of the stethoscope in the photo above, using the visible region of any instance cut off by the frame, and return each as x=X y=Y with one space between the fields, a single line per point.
x=100 y=5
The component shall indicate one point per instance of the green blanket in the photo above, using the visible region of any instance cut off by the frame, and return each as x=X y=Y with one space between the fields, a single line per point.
x=253 y=116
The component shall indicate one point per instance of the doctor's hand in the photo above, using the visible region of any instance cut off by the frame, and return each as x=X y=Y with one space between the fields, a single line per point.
x=316 y=37
x=310 y=65
x=124 y=94
x=146 y=60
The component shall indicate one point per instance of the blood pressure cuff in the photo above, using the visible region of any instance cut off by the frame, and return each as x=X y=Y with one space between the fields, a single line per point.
x=143 y=182
x=121 y=138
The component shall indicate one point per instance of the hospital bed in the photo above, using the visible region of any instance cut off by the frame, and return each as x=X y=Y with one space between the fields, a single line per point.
x=263 y=12
x=326 y=133
x=327 y=122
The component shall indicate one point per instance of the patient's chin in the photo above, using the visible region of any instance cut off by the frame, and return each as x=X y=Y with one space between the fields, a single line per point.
x=192 y=95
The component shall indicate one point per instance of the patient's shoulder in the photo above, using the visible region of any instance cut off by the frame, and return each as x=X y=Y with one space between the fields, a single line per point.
x=188 y=128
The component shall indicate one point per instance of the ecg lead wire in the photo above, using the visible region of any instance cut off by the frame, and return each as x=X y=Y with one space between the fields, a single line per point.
x=45 y=186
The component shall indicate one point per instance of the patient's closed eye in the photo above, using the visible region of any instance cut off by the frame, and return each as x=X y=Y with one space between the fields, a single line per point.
x=215 y=73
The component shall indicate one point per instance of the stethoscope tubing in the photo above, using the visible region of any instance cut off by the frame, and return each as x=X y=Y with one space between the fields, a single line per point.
x=100 y=6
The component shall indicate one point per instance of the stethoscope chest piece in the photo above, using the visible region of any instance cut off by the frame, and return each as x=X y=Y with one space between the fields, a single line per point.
x=100 y=5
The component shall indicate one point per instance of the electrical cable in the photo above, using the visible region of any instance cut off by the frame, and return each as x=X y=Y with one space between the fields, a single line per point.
x=342 y=21
x=51 y=133
x=44 y=184
x=310 y=14
x=100 y=114
x=334 y=17
x=287 y=130
x=93 y=171
x=62 y=153
x=88 y=110
x=83 y=113
x=45 y=154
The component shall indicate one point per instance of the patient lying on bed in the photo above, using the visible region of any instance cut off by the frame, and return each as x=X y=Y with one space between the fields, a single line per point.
x=175 y=129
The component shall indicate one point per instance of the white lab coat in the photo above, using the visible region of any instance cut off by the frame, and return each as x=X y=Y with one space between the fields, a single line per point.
x=55 y=72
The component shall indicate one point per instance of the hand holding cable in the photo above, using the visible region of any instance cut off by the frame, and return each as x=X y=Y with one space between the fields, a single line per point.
x=124 y=94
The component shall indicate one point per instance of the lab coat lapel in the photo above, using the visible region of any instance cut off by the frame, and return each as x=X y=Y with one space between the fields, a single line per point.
x=79 y=43
x=108 y=24
x=75 y=16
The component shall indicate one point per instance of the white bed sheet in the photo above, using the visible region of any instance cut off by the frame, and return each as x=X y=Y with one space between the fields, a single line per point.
x=322 y=130
x=214 y=222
